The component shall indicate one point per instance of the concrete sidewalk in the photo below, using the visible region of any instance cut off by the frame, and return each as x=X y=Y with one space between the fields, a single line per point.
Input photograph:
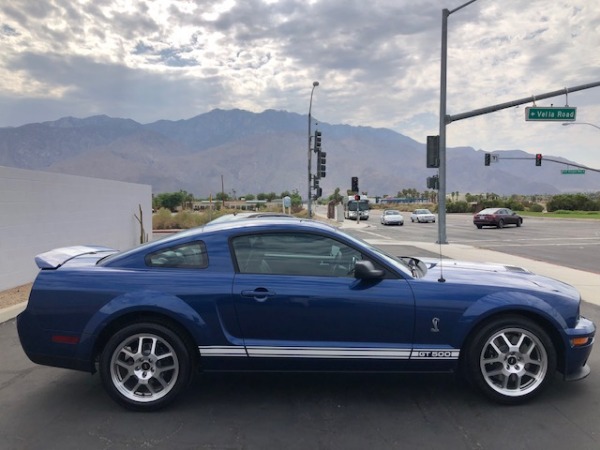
x=587 y=283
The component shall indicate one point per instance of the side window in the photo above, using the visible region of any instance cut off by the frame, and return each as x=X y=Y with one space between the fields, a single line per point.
x=294 y=254
x=186 y=256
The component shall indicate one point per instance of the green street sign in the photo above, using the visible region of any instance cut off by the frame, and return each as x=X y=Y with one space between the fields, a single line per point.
x=550 y=114
x=573 y=172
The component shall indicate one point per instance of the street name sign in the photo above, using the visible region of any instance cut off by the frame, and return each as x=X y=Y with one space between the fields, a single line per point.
x=573 y=172
x=550 y=113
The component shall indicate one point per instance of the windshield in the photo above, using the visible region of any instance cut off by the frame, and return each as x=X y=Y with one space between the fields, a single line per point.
x=363 y=205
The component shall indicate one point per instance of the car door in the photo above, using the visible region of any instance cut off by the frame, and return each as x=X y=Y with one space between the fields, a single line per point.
x=299 y=305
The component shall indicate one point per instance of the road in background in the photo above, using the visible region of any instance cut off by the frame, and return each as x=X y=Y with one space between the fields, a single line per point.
x=567 y=242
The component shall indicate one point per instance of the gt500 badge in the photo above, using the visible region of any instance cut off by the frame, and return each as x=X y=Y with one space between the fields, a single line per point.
x=435 y=354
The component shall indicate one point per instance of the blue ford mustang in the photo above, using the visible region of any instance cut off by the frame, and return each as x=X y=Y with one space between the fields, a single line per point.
x=291 y=294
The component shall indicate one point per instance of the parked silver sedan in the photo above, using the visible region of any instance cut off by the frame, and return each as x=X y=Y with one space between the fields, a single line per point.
x=392 y=217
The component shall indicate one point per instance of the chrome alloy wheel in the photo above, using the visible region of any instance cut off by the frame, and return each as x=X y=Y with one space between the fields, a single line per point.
x=144 y=367
x=513 y=362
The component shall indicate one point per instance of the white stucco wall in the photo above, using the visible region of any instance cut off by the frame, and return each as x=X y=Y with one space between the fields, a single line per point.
x=40 y=211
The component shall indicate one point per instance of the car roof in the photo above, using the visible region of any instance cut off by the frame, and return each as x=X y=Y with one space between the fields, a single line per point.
x=247 y=215
x=254 y=224
x=488 y=210
x=258 y=224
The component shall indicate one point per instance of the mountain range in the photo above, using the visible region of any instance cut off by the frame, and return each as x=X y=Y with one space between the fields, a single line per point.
x=242 y=152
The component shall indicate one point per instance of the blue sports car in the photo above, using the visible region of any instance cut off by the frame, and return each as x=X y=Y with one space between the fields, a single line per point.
x=289 y=294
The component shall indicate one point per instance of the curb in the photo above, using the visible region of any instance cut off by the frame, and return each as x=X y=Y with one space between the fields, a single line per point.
x=11 y=312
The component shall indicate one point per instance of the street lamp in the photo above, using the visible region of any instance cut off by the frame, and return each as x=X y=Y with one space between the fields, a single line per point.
x=580 y=123
x=443 y=121
x=315 y=84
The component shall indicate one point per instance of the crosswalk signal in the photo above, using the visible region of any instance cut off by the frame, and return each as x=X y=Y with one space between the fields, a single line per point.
x=433 y=182
x=433 y=151
x=488 y=159
x=538 y=159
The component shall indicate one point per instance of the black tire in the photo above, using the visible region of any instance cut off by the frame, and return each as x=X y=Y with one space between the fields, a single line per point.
x=505 y=373
x=479 y=227
x=519 y=222
x=144 y=366
x=501 y=223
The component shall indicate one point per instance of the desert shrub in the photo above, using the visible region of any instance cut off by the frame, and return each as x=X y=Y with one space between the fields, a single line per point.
x=163 y=220
x=457 y=207
x=536 y=207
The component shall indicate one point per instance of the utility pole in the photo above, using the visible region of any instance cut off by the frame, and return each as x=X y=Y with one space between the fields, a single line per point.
x=315 y=84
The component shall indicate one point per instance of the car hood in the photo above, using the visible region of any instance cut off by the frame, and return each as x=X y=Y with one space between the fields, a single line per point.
x=505 y=276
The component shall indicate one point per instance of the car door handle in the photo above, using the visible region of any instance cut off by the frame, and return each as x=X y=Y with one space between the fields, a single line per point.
x=258 y=294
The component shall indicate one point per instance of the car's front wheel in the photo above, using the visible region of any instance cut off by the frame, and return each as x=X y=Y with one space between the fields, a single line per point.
x=144 y=366
x=511 y=359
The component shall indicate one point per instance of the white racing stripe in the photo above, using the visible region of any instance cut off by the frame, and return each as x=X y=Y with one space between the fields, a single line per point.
x=330 y=352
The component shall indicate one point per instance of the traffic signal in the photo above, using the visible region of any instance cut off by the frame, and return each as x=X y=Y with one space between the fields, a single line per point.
x=354 y=184
x=315 y=183
x=488 y=159
x=321 y=164
x=317 y=147
x=538 y=159
x=433 y=151
x=433 y=182
x=357 y=197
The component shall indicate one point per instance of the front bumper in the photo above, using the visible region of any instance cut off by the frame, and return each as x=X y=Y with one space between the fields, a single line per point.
x=576 y=357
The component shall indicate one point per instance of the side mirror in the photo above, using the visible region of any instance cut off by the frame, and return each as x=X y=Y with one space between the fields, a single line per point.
x=365 y=270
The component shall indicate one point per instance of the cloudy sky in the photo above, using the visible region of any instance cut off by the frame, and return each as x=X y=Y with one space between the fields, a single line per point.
x=377 y=62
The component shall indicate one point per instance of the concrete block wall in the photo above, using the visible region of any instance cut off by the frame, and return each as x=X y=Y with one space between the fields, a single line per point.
x=40 y=211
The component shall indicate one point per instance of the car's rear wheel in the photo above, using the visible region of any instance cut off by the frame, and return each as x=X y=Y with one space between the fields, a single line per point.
x=479 y=226
x=519 y=222
x=144 y=366
x=501 y=223
x=511 y=359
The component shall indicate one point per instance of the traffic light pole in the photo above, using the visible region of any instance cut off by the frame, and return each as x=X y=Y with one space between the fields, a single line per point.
x=315 y=84
x=442 y=169
x=447 y=119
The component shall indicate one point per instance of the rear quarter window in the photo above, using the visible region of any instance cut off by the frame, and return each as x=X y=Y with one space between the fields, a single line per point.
x=186 y=256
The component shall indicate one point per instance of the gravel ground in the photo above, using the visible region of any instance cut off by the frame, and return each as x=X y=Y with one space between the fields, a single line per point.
x=16 y=295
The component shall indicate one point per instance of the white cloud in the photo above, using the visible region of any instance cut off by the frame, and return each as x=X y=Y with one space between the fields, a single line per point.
x=378 y=63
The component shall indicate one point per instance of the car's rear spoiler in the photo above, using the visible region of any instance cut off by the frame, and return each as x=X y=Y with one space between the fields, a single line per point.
x=55 y=258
